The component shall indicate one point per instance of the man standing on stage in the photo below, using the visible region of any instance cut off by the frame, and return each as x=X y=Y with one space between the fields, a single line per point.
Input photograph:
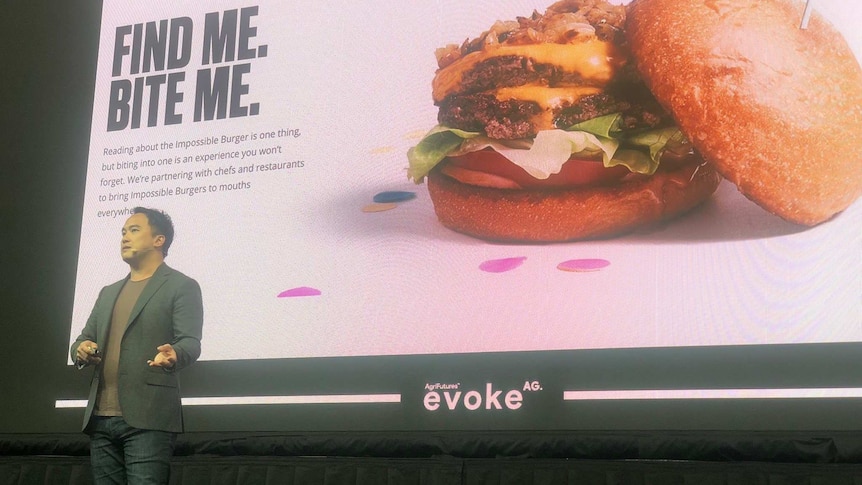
x=143 y=329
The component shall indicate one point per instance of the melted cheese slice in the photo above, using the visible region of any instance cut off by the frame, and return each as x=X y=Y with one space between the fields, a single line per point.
x=594 y=60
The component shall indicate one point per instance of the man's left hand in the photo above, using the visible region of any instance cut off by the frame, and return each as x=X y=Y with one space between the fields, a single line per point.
x=167 y=357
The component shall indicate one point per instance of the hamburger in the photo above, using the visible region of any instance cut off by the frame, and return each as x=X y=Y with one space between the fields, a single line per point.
x=548 y=133
x=775 y=107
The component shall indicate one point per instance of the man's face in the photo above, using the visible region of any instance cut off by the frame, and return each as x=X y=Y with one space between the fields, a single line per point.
x=138 y=239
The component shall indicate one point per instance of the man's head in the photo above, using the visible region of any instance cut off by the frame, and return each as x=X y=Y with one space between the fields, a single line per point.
x=147 y=230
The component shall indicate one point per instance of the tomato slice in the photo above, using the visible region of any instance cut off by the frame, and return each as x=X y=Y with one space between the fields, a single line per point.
x=490 y=169
x=475 y=177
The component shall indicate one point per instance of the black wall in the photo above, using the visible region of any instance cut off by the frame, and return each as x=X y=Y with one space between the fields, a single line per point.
x=46 y=83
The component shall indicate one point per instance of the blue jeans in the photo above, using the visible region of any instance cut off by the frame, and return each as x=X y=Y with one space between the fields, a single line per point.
x=121 y=454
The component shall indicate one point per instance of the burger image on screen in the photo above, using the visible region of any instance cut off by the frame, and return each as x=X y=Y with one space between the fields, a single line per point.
x=547 y=133
x=549 y=129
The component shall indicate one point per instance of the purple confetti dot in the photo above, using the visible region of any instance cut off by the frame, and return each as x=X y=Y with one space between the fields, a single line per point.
x=501 y=265
x=580 y=265
x=300 y=291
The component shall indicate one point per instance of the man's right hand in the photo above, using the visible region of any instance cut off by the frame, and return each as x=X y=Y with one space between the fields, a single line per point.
x=88 y=354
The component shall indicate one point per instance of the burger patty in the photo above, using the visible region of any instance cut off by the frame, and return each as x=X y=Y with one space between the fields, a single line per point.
x=641 y=114
x=511 y=71
x=504 y=120
x=513 y=119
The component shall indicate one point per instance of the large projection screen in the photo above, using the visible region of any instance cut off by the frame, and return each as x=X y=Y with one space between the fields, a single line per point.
x=266 y=129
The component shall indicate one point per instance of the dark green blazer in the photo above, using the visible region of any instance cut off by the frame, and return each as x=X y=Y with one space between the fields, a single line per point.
x=169 y=310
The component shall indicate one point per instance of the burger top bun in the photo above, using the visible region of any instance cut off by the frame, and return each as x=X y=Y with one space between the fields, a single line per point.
x=776 y=108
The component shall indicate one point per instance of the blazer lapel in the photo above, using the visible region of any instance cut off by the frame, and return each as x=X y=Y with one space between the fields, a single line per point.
x=159 y=278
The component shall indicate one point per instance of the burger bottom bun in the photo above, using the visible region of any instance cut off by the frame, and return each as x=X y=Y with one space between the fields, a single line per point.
x=564 y=215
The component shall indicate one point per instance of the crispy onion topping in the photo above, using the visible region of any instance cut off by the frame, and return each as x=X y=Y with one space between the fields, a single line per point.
x=564 y=22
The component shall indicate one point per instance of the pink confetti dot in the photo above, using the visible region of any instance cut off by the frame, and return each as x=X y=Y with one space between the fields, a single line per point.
x=300 y=291
x=582 y=265
x=501 y=265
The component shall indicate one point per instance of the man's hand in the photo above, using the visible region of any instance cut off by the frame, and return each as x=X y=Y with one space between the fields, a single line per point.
x=88 y=353
x=167 y=357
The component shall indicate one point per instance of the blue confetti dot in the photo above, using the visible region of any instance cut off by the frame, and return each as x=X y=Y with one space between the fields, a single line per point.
x=393 y=196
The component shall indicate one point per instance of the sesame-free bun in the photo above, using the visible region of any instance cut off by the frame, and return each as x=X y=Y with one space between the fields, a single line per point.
x=575 y=213
x=777 y=109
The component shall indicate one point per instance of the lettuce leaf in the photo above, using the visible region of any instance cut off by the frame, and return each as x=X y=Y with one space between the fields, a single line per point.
x=434 y=147
x=607 y=126
x=658 y=140
x=550 y=149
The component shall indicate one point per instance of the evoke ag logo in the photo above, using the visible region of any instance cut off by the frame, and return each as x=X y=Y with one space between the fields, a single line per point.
x=452 y=397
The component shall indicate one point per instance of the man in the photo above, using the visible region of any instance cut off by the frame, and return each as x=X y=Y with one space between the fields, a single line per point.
x=141 y=332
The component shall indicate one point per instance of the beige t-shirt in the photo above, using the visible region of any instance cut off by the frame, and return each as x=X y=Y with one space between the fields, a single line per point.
x=108 y=400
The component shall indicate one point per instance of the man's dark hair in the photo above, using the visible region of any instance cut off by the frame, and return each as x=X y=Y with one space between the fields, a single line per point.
x=160 y=224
